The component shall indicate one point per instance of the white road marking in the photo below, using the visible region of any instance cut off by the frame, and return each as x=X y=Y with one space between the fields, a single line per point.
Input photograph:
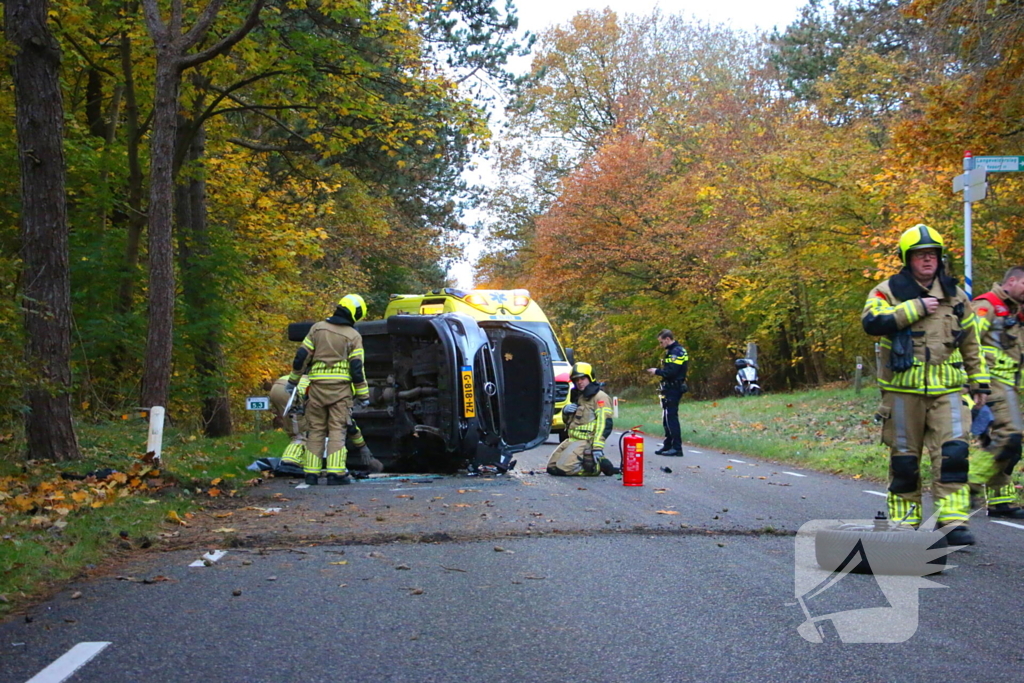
x=795 y=474
x=742 y=462
x=876 y=493
x=212 y=556
x=303 y=485
x=1016 y=526
x=697 y=452
x=68 y=663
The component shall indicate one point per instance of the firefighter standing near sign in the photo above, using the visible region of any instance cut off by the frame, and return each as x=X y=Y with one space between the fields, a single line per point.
x=930 y=349
x=333 y=353
x=588 y=422
x=673 y=386
x=360 y=457
x=1000 y=316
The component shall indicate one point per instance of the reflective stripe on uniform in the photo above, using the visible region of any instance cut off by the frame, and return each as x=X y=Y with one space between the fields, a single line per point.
x=337 y=372
x=956 y=507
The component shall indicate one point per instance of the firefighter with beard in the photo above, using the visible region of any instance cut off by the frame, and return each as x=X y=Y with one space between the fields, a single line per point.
x=361 y=458
x=588 y=422
x=930 y=349
x=333 y=353
x=1000 y=314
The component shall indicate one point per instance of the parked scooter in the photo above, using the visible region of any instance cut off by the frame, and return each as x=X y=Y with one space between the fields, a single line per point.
x=746 y=378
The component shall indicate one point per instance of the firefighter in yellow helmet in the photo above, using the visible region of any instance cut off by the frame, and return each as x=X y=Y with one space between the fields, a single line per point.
x=1000 y=313
x=930 y=349
x=332 y=356
x=588 y=422
x=360 y=458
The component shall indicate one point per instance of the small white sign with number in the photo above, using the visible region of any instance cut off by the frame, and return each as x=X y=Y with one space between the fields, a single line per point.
x=257 y=403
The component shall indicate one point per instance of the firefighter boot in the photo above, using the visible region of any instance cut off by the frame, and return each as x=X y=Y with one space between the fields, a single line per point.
x=312 y=479
x=959 y=535
x=338 y=479
x=1005 y=510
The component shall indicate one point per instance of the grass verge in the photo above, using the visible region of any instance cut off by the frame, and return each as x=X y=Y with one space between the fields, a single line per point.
x=53 y=528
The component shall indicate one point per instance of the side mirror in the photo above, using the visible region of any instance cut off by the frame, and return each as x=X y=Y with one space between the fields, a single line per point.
x=570 y=357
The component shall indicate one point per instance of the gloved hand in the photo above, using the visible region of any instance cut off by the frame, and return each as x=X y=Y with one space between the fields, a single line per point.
x=290 y=387
x=363 y=402
x=570 y=409
x=598 y=453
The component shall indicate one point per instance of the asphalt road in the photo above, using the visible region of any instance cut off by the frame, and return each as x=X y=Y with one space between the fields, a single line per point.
x=530 y=577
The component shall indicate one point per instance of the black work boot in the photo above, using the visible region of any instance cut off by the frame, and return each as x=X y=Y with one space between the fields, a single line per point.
x=312 y=479
x=338 y=479
x=1005 y=510
x=672 y=452
x=664 y=447
x=960 y=535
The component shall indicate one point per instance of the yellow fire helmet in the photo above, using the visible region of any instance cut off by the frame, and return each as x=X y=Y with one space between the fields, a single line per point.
x=582 y=370
x=919 y=237
x=354 y=304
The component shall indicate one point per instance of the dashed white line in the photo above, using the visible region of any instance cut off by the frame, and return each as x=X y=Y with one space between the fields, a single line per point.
x=795 y=474
x=1015 y=526
x=876 y=493
x=742 y=462
x=68 y=663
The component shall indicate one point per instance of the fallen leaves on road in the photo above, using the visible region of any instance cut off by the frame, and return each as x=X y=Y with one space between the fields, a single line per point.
x=415 y=591
x=224 y=530
x=173 y=516
x=342 y=562
x=667 y=512
x=454 y=569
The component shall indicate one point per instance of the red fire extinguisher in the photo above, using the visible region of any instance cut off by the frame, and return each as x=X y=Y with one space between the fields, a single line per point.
x=631 y=445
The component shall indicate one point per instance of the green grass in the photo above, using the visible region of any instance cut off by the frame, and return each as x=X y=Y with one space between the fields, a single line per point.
x=34 y=559
x=830 y=430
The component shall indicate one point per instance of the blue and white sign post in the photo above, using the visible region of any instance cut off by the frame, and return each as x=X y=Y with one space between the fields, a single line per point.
x=972 y=183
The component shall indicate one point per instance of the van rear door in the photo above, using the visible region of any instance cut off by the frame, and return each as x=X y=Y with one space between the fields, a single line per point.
x=525 y=404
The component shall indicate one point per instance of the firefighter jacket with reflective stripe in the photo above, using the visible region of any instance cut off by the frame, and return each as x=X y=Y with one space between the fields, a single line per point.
x=946 y=346
x=1000 y=319
x=333 y=352
x=592 y=420
x=673 y=366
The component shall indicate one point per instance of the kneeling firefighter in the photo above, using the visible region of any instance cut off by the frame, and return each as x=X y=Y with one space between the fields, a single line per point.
x=333 y=352
x=588 y=422
x=930 y=349
x=295 y=425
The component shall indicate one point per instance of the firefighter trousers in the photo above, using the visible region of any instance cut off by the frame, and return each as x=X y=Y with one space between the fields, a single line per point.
x=569 y=460
x=941 y=424
x=994 y=467
x=328 y=407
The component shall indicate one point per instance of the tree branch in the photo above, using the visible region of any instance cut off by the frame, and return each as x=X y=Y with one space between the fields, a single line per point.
x=228 y=42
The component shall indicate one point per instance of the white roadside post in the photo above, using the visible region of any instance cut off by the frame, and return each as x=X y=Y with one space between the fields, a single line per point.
x=156 y=432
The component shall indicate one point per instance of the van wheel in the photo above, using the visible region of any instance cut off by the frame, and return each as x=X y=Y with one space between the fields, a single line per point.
x=901 y=552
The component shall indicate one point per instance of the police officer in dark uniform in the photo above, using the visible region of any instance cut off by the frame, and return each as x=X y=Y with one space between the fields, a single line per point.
x=673 y=386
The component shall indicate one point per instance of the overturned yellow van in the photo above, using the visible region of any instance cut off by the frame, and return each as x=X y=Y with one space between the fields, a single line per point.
x=514 y=306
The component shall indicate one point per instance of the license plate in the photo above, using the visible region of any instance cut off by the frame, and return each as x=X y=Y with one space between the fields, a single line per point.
x=431 y=309
x=468 y=400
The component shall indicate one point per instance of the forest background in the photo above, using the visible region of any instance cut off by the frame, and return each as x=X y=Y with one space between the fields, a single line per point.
x=655 y=172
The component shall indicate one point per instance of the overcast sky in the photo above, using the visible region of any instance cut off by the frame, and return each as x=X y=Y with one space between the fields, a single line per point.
x=537 y=15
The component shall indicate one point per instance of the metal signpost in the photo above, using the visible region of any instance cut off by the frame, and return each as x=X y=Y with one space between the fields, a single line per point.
x=972 y=183
x=257 y=403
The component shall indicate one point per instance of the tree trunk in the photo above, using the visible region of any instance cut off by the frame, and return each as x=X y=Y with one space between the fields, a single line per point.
x=196 y=281
x=156 y=380
x=49 y=428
